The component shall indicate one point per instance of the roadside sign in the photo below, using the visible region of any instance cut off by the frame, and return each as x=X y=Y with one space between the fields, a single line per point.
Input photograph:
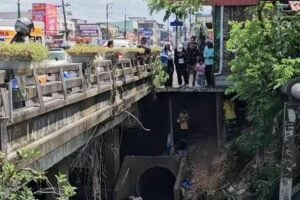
x=176 y=22
x=89 y=30
x=147 y=32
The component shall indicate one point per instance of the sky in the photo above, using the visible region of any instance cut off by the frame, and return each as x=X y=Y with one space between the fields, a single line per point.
x=92 y=10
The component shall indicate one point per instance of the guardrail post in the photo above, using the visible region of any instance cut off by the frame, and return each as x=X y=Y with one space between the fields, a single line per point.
x=38 y=89
x=82 y=78
x=63 y=82
x=4 y=135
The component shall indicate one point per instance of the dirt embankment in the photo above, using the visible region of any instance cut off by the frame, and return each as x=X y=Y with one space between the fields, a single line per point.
x=206 y=170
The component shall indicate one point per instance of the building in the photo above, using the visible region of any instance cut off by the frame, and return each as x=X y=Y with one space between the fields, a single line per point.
x=70 y=27
x=151 y=30
x=136 y=28
x=111 y=33
x=223 y=12
x=77 y=22
x=47 y=13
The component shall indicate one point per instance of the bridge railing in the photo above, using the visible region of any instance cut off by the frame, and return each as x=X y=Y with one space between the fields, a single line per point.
x=43 y=92
x=42 y=85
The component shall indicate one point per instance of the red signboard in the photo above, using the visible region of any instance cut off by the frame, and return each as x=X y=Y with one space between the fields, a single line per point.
x=232 y=2
x=46 y=13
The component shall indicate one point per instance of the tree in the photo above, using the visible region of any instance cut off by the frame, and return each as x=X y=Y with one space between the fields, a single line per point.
x=266 y=52
x=14 y=181
x=179 y=8
x=266 y=49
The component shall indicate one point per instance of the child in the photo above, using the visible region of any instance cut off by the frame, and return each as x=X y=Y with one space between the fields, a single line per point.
x=200 y=73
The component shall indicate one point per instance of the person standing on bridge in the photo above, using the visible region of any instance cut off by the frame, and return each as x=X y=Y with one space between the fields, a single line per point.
x=180 y=60
x=146 y=56
x=193 y=55
x=110 y=44
x=167 y=59
x=200 y=73
x=209 y=63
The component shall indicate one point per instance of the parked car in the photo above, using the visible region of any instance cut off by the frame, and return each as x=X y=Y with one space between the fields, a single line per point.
x=121 y=43
x=57 y=56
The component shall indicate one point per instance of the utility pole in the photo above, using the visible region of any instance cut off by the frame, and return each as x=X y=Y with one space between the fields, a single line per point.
x=65 y=20
x=172 y=149
x=190 y=21
x=125 y=24
x=168 y=30
x=19 y=9
x=108 y=6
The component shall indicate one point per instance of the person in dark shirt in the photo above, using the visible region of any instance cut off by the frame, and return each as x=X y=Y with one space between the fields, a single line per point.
x=146 y=56
x=193 y=55
x=180 y=60
x=167 y=58
x=110 y=44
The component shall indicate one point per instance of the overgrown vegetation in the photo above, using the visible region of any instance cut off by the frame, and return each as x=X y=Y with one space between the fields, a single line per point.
x=181 y=9
x=33 y=51
x=160 y=76
x=85 y=49
x=267 y=50
x=14 y=181
x=95 y=176
x=92 y=49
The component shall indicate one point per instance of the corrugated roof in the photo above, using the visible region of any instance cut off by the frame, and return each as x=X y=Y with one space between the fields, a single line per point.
x=232 y=2
x=295 y=5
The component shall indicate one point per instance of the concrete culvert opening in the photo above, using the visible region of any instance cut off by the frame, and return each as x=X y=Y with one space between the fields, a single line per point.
x=157 y=183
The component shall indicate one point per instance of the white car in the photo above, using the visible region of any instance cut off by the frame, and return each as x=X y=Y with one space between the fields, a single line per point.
x=57 y=56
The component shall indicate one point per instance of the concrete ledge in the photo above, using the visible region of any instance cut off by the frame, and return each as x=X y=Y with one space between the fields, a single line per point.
x=75 y=143
x=60 y=137
x=27 y=113
x=58 y=140
x=190 y=89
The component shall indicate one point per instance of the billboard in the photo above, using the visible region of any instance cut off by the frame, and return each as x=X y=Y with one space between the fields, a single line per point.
x=46 y=13
x=89 y=30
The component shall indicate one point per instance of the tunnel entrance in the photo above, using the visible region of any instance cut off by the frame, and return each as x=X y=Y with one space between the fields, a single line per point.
x=157 y=183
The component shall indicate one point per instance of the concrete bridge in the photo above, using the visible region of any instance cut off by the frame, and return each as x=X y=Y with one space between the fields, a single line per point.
x=58 y=112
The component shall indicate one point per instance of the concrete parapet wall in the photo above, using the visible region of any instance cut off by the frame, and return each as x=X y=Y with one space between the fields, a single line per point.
x=61 y=110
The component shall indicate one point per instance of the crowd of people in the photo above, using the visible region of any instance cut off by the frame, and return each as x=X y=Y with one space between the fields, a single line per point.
x=195 y=64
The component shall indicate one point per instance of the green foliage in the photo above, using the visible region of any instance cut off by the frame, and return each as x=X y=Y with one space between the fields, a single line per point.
x=267 y=50
x=179 y=8
x=155 y=51
x=14 y=180
x=159 y=73
x=266 y=182
x=32 y=51
x=200 y=29
x=90 y=49
x=86 y=49
x=65 y=188
x=265 y=60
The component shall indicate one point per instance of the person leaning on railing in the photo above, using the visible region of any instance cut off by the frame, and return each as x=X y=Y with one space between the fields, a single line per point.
x=146 y=56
